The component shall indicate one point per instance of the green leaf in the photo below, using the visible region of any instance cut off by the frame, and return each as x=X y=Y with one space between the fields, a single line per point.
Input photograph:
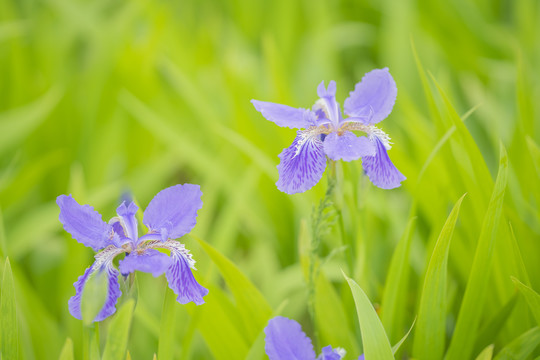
x=396 y=347
x=430 y=332
x=8 y=316
x=118 y=332
x=532 y=298
x=252 y=306
x=486 y=354
x=67 y=350
x=521 y=347
x=376 y=344
x=466 y=329
x=392 y=309
x=166 y=329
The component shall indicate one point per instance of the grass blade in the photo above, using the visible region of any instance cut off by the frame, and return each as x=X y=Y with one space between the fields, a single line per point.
x=8 y=316
x=117 y=339
x=430 y=332
x=532 y=298
x=252 y=306
x=166 y=329
x=67 y=350
x=468 y=321
x=486 y=354
x=376 y=344
x=521 y=347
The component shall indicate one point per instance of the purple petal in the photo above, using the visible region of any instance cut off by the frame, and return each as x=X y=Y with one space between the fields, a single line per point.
x=361 y=357
x=179 y=275
x=129 y=221
x=373 y=98
x=347 y=146
x=380 y=169
x=285 y=340
x=285 y=116
x=84 y=223
x=328 y=353
x=174 y=210
x=150 y=261
x=328 y=103
x=103 y=263
x=302 y=164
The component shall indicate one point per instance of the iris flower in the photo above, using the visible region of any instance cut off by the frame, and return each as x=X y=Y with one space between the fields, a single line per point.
x=285 y=340
x=326 y=133
x=171 y=214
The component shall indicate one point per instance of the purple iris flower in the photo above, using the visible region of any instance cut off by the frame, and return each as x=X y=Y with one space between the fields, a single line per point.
x=171 y=214
x=285 y=340
x=326 y=132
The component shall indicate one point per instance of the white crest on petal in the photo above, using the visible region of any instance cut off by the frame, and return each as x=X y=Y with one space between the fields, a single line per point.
x=374 y=131
x=176 y=248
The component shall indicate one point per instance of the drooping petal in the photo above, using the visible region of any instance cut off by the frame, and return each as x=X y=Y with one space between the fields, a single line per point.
x=347 y=146
x=285 y=116
x=129 y=221
x=361 y=357
x=379 y=168
x=150 y=261
x=179 y=275
x=302 y=164
x=328 y=353
x=84 y=223
x=327 y=102
x=373 y=98
x=174 y=210
x=285 y=340
x=104 y=262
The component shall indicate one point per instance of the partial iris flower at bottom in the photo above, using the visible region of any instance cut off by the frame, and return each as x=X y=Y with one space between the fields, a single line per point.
x=326 y=133
x=171 y=214
x=285 y=340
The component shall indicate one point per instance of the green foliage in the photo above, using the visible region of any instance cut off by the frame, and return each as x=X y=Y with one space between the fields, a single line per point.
x=376 y=344
x=101 y=98
x=8 y=316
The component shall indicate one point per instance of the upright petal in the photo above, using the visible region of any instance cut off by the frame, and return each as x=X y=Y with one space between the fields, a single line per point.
x=328 y=353
x=302 y=164
x=174 y=210
x=129 y=221
x=327 y=102
x=285 y=340
x=373 y=98
x=104 y=262
x=347 y=146
x=380 y=169
x=150 y=261
x=179 y=275
x=84 y=223
x=285 y=116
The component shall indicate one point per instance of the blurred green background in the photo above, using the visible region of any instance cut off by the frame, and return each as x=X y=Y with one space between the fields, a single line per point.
x=99 y=98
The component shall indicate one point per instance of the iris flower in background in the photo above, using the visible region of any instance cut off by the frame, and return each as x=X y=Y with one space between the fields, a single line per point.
x=285 y=340
x=326 y=132
x=171 y=214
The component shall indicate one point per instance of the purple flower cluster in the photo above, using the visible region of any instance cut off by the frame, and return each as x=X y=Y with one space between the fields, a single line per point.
x=171 y=214
x=327 y=133
x=285 y=340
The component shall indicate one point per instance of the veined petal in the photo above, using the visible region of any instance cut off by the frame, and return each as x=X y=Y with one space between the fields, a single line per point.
x=285 y=340
x=328 y=353
x=373 y=98
x=129 y=221
x=347 y=146
x=174 y=210
x=285 y=116
x=380 y=169
x=104 y=262
x=84 y=223
x=302 y=164
x=179 y=275
x=150 y=261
